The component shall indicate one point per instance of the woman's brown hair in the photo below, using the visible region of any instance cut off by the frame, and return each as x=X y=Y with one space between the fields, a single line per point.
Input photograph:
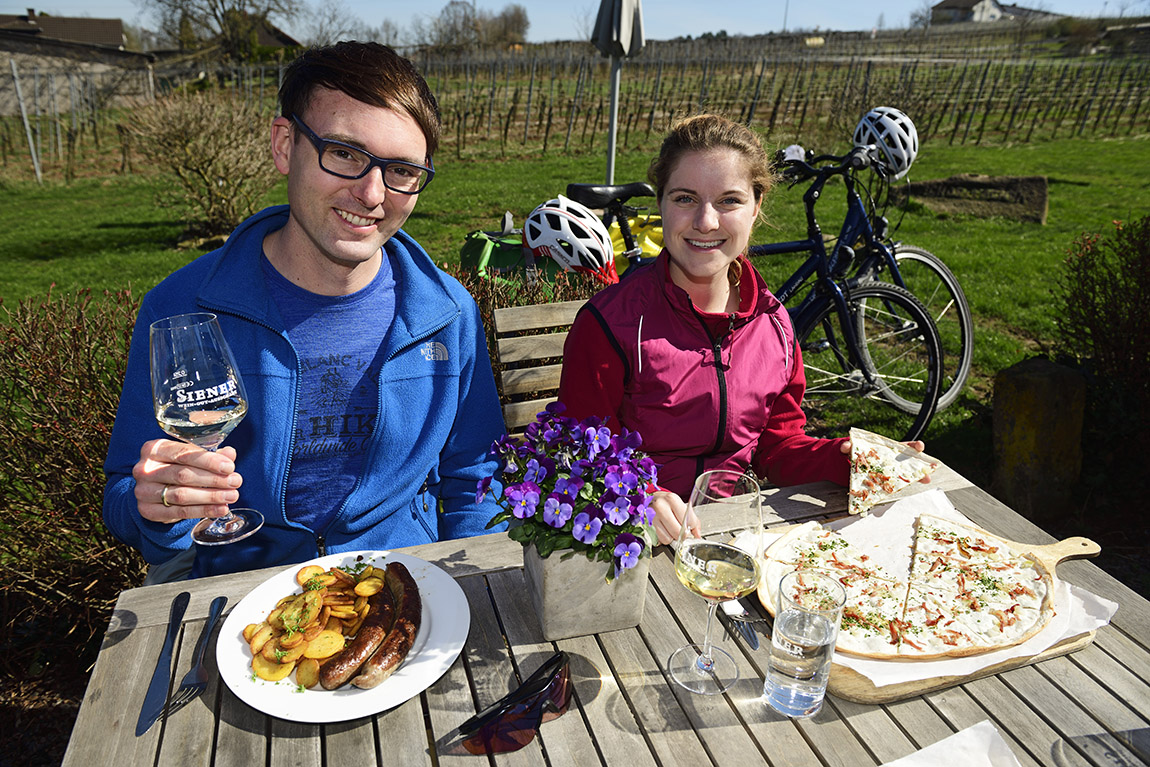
x=703 y=132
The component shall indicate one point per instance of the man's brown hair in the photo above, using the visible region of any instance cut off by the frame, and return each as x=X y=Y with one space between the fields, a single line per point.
x=368 y=72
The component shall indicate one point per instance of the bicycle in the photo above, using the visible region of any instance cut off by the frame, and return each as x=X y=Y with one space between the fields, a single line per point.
x=871 y=350
x=864 y=249
x=636 y=234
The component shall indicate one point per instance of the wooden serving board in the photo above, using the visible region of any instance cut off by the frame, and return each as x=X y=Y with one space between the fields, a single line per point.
x=850 y=685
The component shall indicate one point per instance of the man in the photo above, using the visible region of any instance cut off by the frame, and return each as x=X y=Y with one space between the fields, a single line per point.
x=371 y=395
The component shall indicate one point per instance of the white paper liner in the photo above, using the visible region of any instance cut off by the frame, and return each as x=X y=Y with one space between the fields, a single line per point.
x=887 y=537
x=980 y=745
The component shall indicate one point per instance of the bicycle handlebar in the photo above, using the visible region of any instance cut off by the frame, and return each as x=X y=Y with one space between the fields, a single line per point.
x=858 y=158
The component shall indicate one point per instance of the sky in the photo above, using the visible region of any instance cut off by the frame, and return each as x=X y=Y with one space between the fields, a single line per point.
x=662 y=19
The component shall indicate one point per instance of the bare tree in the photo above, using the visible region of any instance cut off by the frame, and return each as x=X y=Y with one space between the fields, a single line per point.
x=583 y=21
x=329 y=22
x=456 y=26
x=507 y=27
x=231 y=25
x=461 y=25
x=920 y=17
x=389 y=33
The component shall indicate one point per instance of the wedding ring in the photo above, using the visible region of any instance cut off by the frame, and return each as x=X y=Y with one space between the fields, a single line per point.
x=164 y=496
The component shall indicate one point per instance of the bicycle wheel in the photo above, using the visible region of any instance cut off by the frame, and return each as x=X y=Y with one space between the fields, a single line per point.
x=932 y=283
x=889 y=383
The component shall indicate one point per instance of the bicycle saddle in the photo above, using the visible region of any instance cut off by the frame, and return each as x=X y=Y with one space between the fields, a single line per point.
x=600 y=195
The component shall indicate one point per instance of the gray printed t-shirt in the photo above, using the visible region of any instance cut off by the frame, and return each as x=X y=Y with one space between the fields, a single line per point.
x=338 y=340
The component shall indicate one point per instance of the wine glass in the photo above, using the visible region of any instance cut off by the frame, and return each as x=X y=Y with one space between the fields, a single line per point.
x=720 y=566
x=199 y=398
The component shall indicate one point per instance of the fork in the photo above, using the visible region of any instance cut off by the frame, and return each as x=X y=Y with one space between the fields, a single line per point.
x=196 y=680
x=741 y=620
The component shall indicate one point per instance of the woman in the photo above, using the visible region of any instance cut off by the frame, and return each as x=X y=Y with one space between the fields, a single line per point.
x=693 y=351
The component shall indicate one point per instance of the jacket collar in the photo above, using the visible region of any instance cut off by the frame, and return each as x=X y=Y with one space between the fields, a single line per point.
x=754 y=296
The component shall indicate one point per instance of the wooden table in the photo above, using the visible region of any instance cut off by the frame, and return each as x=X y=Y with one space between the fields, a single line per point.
x=1091 y=707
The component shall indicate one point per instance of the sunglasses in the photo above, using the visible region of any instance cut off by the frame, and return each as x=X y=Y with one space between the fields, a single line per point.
x=511 y=722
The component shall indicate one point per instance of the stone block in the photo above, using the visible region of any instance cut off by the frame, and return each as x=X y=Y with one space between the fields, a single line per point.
x=1039 y=407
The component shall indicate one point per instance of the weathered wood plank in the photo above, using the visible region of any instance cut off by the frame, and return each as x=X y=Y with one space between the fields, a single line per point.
x=402 y=734
x=449 y=703
x=960 y=708
x=668 y=727
x=491 y=669
x=351 y=742
x=293 y=744
x=523 y=380
x=566 y=740
x=1061 y=693
x=529 y=348
x=875 y=728
x=1015 y=715
x=1124 y=650
x=513 y=319
x=242 y=736
x=1119 y=680
x=519 y=414
x=188 y=733
x=922 y=724
x=104 y=732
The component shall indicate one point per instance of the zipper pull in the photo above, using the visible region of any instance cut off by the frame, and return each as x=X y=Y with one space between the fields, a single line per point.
x=321 y=544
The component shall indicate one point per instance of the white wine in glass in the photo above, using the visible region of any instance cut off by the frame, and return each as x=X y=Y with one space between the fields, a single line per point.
x=721 y=565
x=199 y=398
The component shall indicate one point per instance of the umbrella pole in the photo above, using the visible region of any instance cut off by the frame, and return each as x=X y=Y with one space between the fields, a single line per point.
x=613 y=127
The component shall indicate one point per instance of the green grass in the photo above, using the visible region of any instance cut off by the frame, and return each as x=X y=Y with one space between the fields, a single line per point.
x=108 y=233
x=1008 y=269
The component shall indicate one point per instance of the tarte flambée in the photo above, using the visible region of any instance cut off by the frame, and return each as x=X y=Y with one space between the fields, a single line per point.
x=965 y=592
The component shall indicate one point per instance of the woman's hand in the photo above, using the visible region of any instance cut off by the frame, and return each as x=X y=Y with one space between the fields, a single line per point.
x=175 y=481
x=669 y=514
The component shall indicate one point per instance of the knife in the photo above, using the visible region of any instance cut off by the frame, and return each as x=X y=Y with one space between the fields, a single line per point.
x=158 y=688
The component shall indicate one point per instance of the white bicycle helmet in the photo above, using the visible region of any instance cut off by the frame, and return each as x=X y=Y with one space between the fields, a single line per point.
x=893 y=133
x=572 y=235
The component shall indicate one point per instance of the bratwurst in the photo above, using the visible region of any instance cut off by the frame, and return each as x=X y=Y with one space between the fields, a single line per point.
x=398 y=643
x=372 y=632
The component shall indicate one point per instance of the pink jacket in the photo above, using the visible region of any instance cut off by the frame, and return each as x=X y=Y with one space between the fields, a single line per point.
x=705 y=391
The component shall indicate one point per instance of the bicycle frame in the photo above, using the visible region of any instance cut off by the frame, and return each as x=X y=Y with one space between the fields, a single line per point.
x=819 y=263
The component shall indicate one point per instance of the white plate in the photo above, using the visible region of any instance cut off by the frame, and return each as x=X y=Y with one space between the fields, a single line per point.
x=446 y=620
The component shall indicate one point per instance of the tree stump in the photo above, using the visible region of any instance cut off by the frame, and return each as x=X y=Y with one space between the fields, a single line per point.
x=1038 y=414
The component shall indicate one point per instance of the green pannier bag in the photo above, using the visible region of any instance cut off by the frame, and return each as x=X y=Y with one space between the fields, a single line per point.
x=502 y=254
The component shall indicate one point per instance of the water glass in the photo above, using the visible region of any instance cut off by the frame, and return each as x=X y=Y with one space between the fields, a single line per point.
x=803 y=642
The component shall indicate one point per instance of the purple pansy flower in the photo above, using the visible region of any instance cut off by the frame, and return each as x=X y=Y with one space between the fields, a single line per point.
x=569 y=487
x=597 y=440
x=536 y=472
x=556 y=511
x=524 y=499
x=618 y=511
x=622 y=481
x=586 y=528
x=643 y=512
x=481 y=488
x=627 y=550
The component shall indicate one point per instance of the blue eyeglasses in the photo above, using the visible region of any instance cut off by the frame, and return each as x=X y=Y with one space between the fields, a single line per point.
x=347 y=161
